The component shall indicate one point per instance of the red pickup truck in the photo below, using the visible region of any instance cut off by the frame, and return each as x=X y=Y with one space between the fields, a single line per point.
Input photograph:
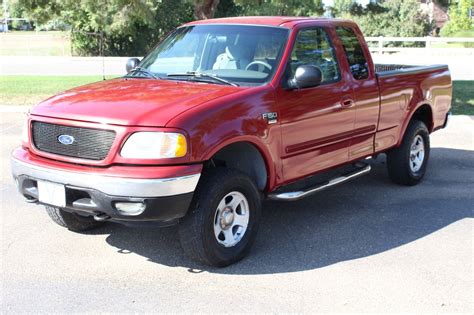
x=221 y=114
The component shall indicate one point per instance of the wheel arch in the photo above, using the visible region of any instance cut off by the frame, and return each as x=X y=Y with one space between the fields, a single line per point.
x=245 y=155
x=423 y=113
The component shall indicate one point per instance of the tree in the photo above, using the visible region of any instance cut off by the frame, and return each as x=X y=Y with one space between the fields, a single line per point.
x=282 y=7
x=386 y=18
x=228 y=8
x=459 y=19
x=132 y=27
x=405 y=18
x=121 y=27
x=205 y=9
x=342 y=8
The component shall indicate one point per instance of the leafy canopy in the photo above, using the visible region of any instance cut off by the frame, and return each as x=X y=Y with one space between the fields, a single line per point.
x=132 y=27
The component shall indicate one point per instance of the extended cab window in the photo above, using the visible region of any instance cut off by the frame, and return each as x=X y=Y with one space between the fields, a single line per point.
x=312 y=47
x=354 y=53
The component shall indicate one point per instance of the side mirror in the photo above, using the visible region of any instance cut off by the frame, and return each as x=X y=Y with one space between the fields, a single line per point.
x=306 y=76
x=132 y=63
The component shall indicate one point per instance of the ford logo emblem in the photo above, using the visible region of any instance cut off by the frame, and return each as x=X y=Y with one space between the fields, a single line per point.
x=66 y=139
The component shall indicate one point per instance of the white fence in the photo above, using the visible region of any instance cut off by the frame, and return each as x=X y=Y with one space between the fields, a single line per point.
x=429 y=50
x=428 y=43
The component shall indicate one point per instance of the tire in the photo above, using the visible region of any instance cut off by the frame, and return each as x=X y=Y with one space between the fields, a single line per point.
x=72 y=221
x=403 y=163
x=213 y=232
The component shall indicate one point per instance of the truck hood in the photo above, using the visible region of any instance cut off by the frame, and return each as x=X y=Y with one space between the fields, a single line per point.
x=132 y=102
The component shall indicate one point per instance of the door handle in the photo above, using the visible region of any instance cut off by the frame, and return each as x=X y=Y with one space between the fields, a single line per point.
x=347 y=103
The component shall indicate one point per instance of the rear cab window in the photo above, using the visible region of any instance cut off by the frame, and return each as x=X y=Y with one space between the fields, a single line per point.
x=354 y=53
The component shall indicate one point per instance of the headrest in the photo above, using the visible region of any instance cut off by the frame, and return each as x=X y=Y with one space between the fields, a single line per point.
x=237 y=52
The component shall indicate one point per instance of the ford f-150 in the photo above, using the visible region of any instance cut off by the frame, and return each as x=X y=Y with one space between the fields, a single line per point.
x=220 y=115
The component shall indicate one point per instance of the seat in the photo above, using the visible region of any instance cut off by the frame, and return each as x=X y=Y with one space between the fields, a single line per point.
x=235 y=57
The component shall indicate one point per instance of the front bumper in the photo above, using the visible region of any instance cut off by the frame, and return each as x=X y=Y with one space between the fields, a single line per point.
x=96 y=191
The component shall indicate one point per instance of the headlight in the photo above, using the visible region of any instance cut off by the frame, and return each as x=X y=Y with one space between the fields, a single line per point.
x=154 y=145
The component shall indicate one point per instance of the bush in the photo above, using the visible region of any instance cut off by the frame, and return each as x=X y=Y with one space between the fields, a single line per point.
x=402 y=18
x=459 y=20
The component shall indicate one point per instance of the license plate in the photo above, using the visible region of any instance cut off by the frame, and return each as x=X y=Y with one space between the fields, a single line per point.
x=52 y=194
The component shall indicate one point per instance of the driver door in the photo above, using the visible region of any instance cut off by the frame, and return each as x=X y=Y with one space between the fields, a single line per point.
x=316 y=122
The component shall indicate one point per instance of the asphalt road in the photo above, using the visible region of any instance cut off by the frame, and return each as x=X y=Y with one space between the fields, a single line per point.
x=366 y=246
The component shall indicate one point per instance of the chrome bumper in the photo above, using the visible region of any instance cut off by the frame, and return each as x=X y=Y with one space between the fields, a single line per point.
x=114 y=186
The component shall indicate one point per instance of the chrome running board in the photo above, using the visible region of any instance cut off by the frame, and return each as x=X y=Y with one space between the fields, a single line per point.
x=296 y=195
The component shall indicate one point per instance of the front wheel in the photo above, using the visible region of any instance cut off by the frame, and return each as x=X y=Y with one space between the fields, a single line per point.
x=223 y=220
x=407 y=163
x=72 y=221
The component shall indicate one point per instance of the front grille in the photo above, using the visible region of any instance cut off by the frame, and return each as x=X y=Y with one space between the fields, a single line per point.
x=91 y=144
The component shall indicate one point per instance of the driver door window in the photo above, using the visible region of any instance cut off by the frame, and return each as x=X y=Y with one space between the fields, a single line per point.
x=313 y=47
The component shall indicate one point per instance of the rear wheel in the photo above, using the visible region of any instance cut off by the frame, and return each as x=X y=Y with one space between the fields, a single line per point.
x=407 y=163
x=72 y=221
x=222 y=222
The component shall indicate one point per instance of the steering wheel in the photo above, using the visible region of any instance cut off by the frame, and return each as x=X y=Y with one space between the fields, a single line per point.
x=261 y=65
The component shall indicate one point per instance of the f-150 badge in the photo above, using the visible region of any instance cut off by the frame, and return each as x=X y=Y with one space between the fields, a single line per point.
x=271 y=118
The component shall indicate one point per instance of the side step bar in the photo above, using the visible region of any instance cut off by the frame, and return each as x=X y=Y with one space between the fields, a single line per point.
x=296 y=195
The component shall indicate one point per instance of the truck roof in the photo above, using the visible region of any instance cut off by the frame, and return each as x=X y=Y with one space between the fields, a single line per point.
x=281 y=21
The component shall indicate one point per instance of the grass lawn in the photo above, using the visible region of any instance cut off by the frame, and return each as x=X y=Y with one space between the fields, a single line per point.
x=29 y=90
x=463 y=98
x=30 y=43
x=469 y=34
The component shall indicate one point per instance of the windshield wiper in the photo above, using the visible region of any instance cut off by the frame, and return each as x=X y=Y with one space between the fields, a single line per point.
x=143 y=70
x=195 y=74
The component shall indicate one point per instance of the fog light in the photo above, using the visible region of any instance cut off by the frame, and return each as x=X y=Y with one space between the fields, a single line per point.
x=130 y=208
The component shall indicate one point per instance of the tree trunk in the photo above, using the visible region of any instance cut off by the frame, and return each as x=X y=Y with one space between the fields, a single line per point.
x=205 y=9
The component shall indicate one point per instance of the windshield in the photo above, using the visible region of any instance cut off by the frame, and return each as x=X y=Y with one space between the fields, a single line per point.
x=239 y=54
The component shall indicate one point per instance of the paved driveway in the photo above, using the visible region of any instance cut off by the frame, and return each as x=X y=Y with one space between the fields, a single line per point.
x=368 y=245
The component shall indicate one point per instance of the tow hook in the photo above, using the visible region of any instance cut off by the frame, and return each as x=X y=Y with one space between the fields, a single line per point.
x=101 y=217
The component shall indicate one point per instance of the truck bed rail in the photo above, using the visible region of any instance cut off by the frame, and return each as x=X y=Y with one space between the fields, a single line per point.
x=396 y=69
x=390 y=67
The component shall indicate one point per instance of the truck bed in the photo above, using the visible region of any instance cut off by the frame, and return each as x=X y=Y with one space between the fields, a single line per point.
x=404 y=88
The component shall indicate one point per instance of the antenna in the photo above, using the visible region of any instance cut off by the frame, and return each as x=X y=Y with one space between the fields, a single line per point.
x=102 y=53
